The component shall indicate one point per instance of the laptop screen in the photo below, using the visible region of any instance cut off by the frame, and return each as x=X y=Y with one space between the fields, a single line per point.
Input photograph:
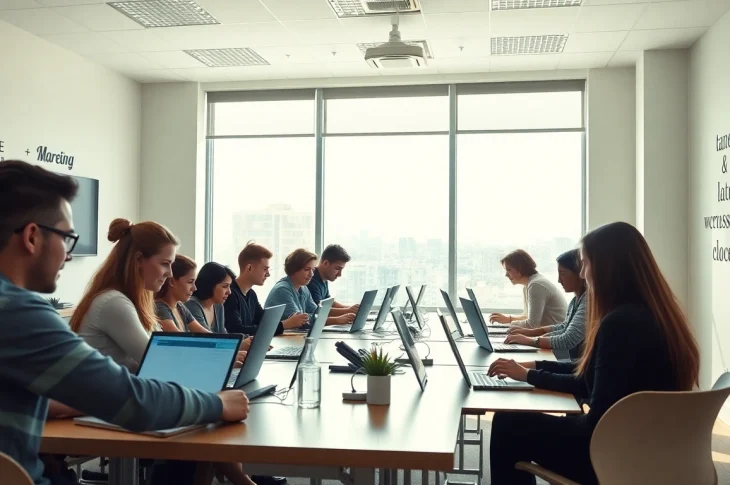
x=410 y=347
x=196 y=362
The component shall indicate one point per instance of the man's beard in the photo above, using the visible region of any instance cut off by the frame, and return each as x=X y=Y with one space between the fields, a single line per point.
x=42 y=278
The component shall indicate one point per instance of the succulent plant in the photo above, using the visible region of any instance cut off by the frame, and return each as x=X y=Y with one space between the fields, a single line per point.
x=56 y=302
x=377 y=364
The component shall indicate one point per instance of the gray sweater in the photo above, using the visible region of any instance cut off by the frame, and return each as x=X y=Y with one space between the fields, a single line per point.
x=544 y=303
x=41 y=359
x=570 y=334
x=196 y=308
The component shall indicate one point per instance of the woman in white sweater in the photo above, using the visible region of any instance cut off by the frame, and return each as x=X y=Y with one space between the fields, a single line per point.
x=544 y=304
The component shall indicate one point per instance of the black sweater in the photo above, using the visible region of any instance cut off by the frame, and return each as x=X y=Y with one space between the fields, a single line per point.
x=630 y=355
x=243 y=312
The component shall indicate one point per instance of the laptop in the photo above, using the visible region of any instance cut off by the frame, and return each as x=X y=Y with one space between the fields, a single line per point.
x=480 y=380
x=240 y=378
x=414 y=304
x=361 y=318
x=454 y=317
x=476 y=321
x=410 y=348
x=193 y=360
x=493 y=327
x=315 y=331
x=409 y=315
x=385 y=307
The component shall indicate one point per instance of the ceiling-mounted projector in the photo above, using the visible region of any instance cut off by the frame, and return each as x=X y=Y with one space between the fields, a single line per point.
x=395 y=53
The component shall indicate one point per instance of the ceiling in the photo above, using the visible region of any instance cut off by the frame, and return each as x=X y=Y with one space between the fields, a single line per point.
x=306 y=39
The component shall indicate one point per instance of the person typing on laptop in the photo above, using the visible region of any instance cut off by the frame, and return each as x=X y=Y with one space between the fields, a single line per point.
x=41 y=359
x=331 y=263
x=566 y=337
x=293 y=292
x=243 y=311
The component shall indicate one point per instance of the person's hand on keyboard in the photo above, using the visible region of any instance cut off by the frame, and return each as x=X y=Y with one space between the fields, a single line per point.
x=295 y=321
x=235 y=405
x=518 y=339
x=344 y=319
x=508 y=368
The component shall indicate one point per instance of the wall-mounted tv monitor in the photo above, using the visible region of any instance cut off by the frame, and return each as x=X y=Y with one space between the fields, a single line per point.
x=85 y=209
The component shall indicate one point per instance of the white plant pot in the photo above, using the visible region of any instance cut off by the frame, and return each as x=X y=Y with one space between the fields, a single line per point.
x=378 y=390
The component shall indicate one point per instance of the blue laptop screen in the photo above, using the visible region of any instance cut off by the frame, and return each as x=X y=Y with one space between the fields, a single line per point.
x=197 y=363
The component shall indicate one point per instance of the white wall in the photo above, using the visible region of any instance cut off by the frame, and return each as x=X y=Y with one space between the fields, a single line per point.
x=611 y=152
x=173 y=161
x=662 y=161
x=709 y=303
x=52 y=97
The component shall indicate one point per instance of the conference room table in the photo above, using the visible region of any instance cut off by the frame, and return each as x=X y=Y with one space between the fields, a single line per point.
x=345 y=440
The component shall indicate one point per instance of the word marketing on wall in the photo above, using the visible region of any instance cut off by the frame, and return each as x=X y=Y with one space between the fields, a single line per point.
x=44 y=155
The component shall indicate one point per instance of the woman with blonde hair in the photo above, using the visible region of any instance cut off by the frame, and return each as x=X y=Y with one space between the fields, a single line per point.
x=637 y=339
x=117 y=312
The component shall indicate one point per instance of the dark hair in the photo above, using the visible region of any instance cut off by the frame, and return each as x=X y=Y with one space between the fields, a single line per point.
x=252 y=253
x=521 y=261
x=30 y=193
x=335 y=253
x=623 y=270
x=210 y=275
x=180 y=267
x=297 y=259
x=570 y=260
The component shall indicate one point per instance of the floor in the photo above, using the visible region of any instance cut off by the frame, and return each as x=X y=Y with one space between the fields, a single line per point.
x=720 y=454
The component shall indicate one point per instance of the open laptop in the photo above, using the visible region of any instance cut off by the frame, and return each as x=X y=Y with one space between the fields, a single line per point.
x=241 y=378
x=480 y=380
x=476 y=321
x=385 y=307
x=410 y=348
x=361 y=318
x=193 y=360
x=414 y=304
x=315 y=331
x=409 y=315
x=454 y=316
x=494 y=328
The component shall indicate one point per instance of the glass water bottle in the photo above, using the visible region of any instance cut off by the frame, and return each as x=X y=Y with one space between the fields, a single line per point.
x=309 y=378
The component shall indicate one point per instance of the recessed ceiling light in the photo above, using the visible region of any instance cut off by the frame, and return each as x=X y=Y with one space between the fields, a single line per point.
x=529 y=44
x=522 y=4
x=165 y=13
x=228 y=57
x=422 y=43
x=361 y=8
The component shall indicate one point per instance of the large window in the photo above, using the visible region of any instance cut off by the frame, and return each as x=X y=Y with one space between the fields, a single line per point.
x=400 y=176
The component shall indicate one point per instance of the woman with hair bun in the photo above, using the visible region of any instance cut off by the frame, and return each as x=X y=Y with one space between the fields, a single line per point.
x=117 y=312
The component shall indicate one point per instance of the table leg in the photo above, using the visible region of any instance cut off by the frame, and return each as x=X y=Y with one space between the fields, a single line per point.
x=362 y=476
x=123 y=471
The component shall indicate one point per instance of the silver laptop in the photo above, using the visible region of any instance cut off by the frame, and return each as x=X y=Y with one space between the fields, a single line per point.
x=361 y=318
x=315 y=331
x=410 y=348
x=479 y=329
x=454 y=316
x=192 y=360
x=244 y=377
x=480 y=380
x=385 y=307
x=495 y=328
x=414 y=304
x=409 y=315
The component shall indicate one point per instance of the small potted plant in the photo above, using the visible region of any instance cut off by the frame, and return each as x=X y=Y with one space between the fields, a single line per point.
x=378 y=368
x=55 y=302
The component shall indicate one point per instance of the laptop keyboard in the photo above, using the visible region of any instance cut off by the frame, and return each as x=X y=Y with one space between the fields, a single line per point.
x=485 y=380
x=286 y=352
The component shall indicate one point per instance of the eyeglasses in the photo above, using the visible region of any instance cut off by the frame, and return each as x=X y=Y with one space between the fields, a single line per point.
x=69 y=238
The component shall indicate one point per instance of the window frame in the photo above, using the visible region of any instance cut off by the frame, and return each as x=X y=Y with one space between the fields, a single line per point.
x=452 y=91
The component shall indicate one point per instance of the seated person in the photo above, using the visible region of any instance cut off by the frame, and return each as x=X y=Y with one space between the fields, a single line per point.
x=170 y=301
x=544 y=304
x=567 y=336
x=212 y=289
x=41 y=359
x=243 y=311
x=637 y=339
x=333 y=261
x=292 y=289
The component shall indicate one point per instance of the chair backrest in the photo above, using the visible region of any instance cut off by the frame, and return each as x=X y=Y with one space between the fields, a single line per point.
x=11 y=473
x=659 y=437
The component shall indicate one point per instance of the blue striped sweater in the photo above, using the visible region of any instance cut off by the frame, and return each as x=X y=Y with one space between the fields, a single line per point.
x=41 y=359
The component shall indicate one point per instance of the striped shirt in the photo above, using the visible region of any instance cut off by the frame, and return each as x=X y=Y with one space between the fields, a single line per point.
x=41 y=359
x=570 y=334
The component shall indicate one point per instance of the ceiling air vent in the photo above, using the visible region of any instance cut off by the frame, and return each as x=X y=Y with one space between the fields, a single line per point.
x=523 y=4
x=165 y=13
x=529 y=44
x=228 y=57
x=361 y=8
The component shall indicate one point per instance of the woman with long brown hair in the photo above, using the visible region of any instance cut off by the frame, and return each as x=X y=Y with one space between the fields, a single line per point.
x=117 y=313
x=637 y=339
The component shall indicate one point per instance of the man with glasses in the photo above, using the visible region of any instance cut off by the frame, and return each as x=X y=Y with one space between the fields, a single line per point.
x=41 y=359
